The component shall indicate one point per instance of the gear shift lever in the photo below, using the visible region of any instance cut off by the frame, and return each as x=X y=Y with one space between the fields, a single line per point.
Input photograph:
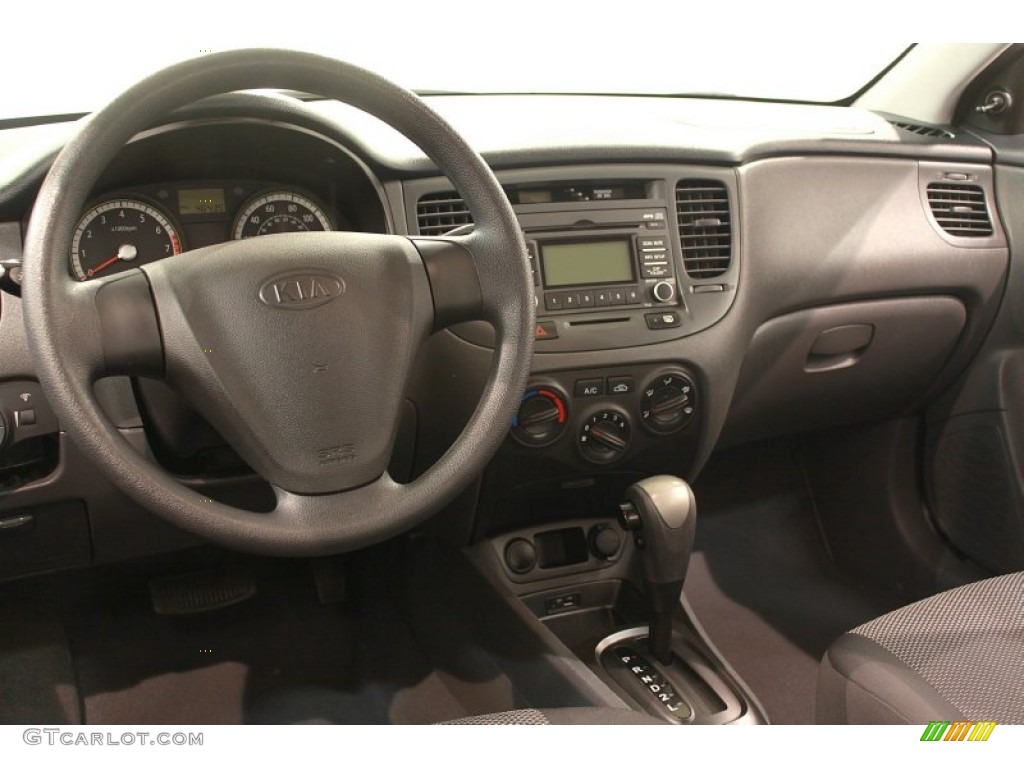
x=661 y=513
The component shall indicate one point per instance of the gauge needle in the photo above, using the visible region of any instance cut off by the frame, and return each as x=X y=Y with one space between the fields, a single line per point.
x=126 y=252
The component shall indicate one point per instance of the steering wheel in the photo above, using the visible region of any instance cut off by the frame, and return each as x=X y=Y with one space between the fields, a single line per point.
x=296 y=347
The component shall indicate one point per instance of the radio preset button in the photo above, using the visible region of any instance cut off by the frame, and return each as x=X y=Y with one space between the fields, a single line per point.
x=586 y=299
x=571 y=300
x=617 y=296
x=602 y=298
x=553 y=301
x=633 y=296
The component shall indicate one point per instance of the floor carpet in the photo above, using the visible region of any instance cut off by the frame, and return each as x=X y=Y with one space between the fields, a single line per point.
x=761 y=580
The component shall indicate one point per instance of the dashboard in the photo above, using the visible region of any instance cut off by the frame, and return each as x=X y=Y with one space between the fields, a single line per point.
x=696 y=288
x=337 y=340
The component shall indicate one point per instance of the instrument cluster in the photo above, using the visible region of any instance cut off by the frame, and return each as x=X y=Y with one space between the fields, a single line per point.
x=140 y=225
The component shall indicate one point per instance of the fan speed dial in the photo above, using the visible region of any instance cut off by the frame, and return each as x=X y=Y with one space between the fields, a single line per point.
x=605 y=436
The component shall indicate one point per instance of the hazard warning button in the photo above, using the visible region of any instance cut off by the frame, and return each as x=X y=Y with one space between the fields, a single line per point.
x=545 y=329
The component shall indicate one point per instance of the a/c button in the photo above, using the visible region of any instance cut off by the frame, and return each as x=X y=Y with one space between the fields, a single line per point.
x=589 y=387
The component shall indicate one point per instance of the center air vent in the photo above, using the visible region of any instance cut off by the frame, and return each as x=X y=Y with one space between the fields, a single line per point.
x=705 y=227
x=960 y=209
x=440 y=212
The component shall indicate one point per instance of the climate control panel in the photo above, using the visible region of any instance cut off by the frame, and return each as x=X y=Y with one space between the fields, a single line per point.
x=602 y=417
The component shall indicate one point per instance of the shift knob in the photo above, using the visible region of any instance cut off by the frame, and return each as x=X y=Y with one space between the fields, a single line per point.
x=661 y=512
x=666 y=511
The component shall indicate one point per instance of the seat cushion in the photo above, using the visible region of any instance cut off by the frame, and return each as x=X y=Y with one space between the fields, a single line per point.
x=956 y=655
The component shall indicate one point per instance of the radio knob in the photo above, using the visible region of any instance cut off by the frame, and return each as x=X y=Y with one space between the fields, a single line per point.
x=663 y=292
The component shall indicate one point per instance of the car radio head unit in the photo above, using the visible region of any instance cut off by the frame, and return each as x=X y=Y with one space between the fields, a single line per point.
x=641 y=257
x=593 y=271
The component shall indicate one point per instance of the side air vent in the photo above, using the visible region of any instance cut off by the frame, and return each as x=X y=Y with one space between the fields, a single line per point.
x=930 y=131
x=441 y=212
x=705 y=227
x=960 y=209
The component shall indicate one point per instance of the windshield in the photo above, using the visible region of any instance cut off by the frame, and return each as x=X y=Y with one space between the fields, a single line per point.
x=454 y=46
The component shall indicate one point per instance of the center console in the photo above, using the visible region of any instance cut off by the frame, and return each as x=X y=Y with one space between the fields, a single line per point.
x=610 y=591
x=623 y=259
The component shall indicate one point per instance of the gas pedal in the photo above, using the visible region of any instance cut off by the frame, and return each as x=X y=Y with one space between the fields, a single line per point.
x=329 y=575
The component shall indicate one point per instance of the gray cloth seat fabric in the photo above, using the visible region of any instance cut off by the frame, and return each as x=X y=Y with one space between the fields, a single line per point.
x=565 y=716
x=958 y=655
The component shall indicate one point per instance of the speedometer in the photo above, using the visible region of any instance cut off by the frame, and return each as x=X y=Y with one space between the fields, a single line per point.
x=116 y=235
x=279 y=211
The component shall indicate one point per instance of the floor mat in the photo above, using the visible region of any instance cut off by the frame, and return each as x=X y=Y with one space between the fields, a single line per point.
x=761 y=582
x=279 y=657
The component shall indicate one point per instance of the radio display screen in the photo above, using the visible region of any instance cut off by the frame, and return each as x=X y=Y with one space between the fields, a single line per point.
x=591 y=262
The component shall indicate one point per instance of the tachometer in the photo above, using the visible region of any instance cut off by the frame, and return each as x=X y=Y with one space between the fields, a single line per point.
x=116 y=235
x=279 y=211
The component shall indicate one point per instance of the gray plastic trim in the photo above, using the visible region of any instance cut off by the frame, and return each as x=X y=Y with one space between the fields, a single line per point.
x=786 y=386
x=594 y=565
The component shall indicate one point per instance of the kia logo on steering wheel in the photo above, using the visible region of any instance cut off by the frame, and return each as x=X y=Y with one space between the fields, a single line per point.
x=301 y=290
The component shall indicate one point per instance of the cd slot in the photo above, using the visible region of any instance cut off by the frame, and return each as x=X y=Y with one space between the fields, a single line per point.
x=599 y=321
x=588 y=226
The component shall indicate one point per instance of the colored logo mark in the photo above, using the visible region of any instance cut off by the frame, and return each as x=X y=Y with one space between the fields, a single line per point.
x=961 y=730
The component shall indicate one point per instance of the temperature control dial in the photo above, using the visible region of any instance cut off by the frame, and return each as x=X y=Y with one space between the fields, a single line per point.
x=605 y=436
x=669 y=402
x=542 y=417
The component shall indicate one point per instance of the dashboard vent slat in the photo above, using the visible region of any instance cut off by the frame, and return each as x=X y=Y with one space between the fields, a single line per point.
x=930 y=131
x=960 y=209
x=705 y=227
x=440 y=212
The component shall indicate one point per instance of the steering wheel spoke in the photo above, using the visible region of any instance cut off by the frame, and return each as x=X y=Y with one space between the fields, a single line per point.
x=454 y=280
x=128 y=326
x=469 y=277
x=107 y=327
x=322 y=521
